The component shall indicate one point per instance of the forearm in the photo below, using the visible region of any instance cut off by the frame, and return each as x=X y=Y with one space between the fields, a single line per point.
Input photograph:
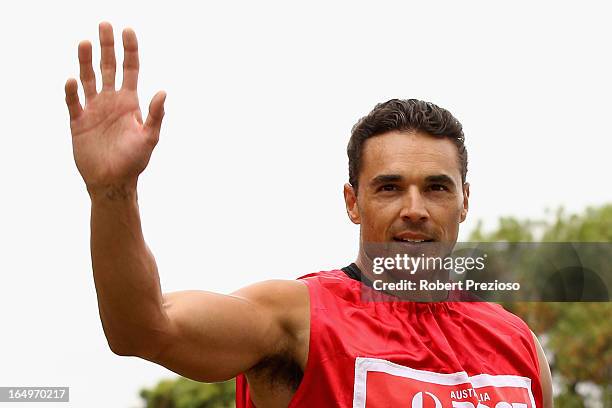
x=125 y=272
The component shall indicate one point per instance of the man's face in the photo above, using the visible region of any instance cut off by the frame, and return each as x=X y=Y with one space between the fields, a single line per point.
x=409 y=189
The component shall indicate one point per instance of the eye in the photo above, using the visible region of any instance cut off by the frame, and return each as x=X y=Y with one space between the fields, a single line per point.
x=388 y=187
x=438 y=187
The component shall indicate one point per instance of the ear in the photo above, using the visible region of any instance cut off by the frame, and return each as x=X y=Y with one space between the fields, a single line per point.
x=350 y=199
x=466 y=199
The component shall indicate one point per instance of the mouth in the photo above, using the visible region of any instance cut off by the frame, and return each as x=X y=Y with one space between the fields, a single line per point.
x=412 y=237
x=412 y=240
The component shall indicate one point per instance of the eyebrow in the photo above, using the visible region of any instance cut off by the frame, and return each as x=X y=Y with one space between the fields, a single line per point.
x=386 y=178
x=439 y=178
x=394 y=178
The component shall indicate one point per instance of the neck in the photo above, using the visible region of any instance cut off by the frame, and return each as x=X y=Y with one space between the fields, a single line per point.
x=365 y=265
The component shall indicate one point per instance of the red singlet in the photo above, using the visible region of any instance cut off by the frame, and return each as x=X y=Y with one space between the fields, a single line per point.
x=410 y=354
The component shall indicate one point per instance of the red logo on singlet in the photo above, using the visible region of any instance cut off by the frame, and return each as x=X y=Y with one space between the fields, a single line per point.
x=381 y=383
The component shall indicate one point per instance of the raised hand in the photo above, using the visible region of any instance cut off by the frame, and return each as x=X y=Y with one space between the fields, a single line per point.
x=111 y=145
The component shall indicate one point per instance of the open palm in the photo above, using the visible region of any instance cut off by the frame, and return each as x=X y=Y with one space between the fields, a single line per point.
x=111 y=144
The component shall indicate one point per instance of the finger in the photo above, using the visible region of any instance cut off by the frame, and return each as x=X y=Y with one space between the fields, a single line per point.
x=88 y=77
x=108 y=64
x=156 y=115
x=72 y=99
x=130 y=60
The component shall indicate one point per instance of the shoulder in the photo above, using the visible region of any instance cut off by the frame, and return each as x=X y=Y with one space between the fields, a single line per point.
x=285 y=302
x=289 y=294
x=545 y=375
x=275 y=294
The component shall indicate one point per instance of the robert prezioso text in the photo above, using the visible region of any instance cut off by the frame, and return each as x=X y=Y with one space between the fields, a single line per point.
x=424 y=284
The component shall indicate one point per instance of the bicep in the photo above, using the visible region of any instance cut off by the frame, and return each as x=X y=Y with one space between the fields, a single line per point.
x=213 y=337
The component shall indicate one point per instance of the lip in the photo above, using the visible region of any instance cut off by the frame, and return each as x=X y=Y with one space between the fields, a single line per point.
x=412 y=236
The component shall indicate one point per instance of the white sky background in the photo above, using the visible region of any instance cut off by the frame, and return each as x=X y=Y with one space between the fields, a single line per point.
x=246 y=182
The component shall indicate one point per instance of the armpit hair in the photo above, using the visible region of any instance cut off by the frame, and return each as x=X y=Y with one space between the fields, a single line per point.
x=279 y=370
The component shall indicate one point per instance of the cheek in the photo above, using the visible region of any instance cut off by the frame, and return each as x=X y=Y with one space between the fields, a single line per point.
x=446 y=214
x=376 y=219
x=452 y=216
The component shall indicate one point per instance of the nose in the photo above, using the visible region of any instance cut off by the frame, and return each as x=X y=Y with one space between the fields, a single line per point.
x=413 y=206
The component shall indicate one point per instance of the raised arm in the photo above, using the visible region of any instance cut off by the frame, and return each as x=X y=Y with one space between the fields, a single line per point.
x=201 y=335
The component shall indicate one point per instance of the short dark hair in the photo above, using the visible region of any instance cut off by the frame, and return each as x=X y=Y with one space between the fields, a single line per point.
x=404 y=115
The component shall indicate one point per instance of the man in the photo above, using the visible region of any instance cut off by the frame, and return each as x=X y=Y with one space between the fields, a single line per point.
x=309 y=341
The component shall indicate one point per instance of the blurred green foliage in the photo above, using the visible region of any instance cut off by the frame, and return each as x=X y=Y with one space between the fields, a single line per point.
x=577 y=337
x=184 y=393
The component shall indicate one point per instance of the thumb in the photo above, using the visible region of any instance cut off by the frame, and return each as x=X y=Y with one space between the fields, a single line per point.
x=156 y=114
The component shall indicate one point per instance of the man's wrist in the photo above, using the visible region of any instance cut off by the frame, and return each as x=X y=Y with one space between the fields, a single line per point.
x=120 y=191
